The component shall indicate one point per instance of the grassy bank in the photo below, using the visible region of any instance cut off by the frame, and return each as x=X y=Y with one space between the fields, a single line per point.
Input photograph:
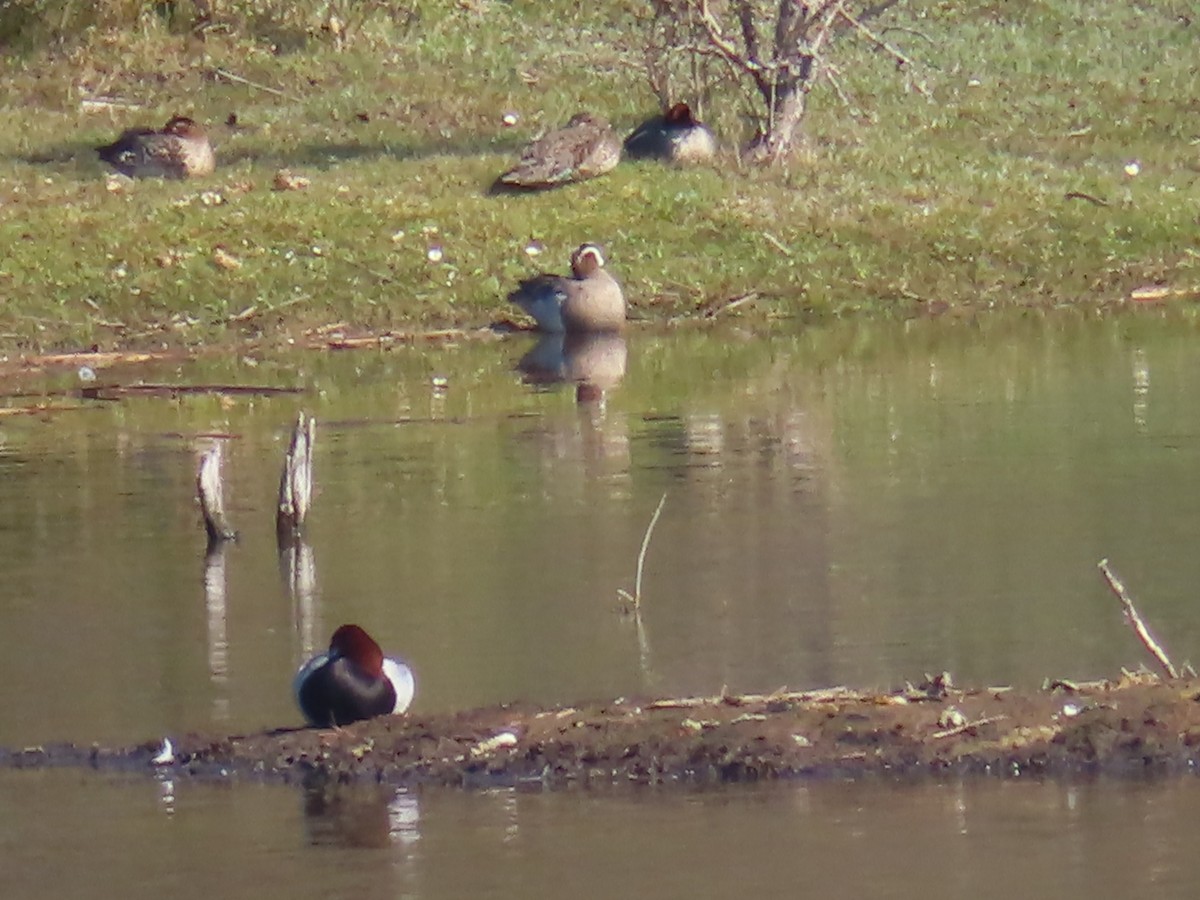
x=896 y=204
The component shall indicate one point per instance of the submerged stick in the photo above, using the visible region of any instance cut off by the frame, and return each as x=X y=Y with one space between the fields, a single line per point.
x=1135 y=620
x=636 y=598
x=295 y=485
x=212 y=497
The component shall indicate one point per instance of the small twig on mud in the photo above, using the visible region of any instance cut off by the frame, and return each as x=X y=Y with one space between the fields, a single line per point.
x=966 y=726
x=820 y=695
x=636 y=598
x=1080 y=195
x=731 y=304
x=224 y=73
x=1135 y=620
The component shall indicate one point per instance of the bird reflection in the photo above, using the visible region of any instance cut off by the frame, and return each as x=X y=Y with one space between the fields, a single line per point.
x=373 y=817
x=594 y=363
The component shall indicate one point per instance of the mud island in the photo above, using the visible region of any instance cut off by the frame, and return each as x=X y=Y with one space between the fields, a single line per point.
x=1140 y=724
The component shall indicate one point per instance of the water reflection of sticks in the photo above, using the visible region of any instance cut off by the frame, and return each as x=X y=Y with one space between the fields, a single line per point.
x=298 y=571
x=297 y=563
x=218 y=626
x=210 y=489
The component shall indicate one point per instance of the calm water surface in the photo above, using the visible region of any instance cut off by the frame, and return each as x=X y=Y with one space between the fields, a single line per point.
x=858 y=505
x=982 y=839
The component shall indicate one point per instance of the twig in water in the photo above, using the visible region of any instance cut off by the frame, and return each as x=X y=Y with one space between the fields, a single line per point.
x=212 y=497
x=1135 y=620
x=636 y=598
x=296 y=482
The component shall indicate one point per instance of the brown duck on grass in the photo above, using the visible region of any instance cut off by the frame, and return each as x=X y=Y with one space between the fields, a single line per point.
x=675 y=136
x=589 y=299
x=584 y=148
x=180 y=149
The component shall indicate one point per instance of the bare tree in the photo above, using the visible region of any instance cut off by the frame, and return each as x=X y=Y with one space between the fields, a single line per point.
x=775 y=50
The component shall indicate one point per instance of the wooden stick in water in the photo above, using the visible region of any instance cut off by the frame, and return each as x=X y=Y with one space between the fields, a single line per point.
x=212 y=497
x=1135 y=620
x=295 y=485
x=636 y=597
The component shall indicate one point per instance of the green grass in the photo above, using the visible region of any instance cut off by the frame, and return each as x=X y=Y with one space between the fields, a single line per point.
x=897 y=204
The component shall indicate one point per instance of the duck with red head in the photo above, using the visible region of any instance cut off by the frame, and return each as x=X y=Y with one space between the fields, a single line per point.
x=180 y=149
x=352 y=681
x=676 y=136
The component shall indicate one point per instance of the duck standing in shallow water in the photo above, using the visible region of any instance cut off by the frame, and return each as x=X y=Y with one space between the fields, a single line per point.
x=584 y=148
x=180 y=149
x=675 y=136
x=352 y=681
x=589 y=299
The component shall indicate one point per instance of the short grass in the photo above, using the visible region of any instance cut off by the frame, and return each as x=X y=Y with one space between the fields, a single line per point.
x=897 y=203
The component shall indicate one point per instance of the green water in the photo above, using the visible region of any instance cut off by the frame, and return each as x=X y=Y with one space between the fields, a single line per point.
x=858 y=505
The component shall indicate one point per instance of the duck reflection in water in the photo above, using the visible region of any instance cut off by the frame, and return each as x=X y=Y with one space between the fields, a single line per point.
x=594 y=363
x=353 y=816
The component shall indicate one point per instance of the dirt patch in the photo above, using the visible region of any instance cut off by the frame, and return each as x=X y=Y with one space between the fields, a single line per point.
x=1137 y=725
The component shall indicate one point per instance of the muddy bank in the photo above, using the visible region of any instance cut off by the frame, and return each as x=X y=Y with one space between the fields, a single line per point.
x=1137 y=725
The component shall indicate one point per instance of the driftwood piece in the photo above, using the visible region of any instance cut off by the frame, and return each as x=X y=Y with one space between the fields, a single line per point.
x=295 y=484
x=212 y=497
x=1134 y=619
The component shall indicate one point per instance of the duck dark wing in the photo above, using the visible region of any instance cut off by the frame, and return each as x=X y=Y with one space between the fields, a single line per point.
x=542 y=297
x=338 y=693
x=649 y=140
x=127 y=152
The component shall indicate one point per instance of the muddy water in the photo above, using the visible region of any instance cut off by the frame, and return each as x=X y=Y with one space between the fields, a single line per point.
x=982 y=839
x=855 y=505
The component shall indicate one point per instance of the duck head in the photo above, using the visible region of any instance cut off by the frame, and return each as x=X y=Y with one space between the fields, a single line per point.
x=350 y=642
x=182 y=126
x=587 y=260
x=680 y=116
